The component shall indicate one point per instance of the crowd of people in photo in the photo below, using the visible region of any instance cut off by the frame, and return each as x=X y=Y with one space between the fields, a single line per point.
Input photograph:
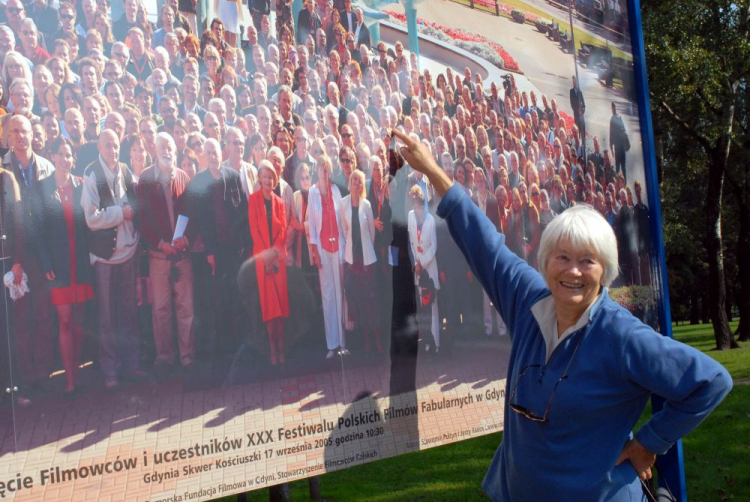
x=143 y=164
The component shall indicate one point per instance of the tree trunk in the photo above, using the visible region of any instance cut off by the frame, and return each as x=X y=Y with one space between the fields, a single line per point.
x=717 y=292
x=695 y=307
x=743 y=250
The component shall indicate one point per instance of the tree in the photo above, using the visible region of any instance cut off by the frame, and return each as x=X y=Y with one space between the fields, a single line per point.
x=699 y=57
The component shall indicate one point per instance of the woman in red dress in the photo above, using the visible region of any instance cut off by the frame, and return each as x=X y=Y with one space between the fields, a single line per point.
x=267 y=218
x=64 y=255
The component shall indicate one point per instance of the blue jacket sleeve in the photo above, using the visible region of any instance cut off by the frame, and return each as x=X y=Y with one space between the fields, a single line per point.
x=692 y=383
x=510 y=282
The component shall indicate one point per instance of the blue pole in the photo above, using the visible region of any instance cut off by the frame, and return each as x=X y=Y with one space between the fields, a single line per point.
x=375 y=33
x=411 y=25
x=671 y=465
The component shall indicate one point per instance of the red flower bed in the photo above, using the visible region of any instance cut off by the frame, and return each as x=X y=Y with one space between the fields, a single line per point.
x=456 y=34
x=569 y=121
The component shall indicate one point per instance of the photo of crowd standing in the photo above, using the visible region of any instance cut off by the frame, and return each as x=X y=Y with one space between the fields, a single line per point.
x=168 y=195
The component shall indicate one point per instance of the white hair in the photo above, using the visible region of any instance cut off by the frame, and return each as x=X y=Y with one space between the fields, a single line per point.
x=235 y=130
x=584 y=228
x=164 y=137
x=275 y=150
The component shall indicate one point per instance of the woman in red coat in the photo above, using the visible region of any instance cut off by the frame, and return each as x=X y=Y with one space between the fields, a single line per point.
x=268 y=228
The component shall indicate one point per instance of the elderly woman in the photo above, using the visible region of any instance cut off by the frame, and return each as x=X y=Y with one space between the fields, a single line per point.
x=423 y=241
x=64 y=255
x=358 y=228
x=268 y=225
x=327 y=253
x=582 y=368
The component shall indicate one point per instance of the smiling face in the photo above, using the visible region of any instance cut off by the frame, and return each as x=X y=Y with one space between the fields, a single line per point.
x=63 y=158
x=574 y=277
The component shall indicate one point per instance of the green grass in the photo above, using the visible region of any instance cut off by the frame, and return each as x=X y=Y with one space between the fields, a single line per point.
x=715 y=454
x=563 y=21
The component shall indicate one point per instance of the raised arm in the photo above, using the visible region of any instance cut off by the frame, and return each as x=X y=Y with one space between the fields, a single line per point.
x=509 y=281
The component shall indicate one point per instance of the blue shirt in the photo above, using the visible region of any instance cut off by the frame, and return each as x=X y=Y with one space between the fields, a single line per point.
x=613 y=365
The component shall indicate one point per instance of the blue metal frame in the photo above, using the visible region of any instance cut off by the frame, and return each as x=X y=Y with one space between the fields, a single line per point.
x=671 y=465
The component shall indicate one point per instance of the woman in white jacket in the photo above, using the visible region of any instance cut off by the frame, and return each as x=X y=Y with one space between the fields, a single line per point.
x=359 y=254
x=423 y=240
x=326 y=245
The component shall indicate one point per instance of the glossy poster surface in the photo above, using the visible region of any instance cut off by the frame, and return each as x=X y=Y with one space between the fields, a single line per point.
x=196 y=339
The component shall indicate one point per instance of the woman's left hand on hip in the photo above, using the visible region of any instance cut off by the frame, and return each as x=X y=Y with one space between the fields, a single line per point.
x=639 y=457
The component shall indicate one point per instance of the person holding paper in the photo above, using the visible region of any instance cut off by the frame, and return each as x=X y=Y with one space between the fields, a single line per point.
x=162 y=198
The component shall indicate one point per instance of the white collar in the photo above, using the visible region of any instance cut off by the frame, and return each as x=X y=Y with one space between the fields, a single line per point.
x=546 y=316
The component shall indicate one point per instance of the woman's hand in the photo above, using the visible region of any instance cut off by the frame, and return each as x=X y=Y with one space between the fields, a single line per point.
x=379 y=226
x=639 y=457
x=419 y=157
x=50 y=276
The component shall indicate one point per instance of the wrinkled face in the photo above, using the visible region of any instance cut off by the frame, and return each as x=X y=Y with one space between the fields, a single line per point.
x=277 y=161
x=29 y=37
x=166 y=153
x=211 y=125
x=574 y=276
x=266 y=179
x=109 y=148
x=21 y=97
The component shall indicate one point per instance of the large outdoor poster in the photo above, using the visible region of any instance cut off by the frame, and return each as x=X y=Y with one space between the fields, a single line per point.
x=179 y=336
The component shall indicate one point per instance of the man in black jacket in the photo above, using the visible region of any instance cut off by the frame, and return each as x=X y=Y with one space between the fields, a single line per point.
x=307 y=22
x=220 y=207
x=618 y=140
x=258 y=9
x=578 y=105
